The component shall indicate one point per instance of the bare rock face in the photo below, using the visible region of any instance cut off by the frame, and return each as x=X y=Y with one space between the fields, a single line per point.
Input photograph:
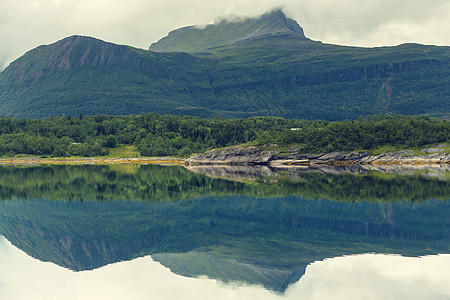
x=234 y=155
x=259 y=156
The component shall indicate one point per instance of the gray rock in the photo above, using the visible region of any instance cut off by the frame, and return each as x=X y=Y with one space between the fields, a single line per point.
x=432 y=150
x=234 y=155
x=239 y=155
x=405 y=152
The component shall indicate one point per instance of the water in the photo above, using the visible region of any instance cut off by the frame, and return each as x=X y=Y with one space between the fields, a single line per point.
x=139 y=232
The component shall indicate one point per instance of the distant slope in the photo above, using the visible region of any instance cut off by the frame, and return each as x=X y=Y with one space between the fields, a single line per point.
x=276 y=76
x=194 y=39
x=260 y=66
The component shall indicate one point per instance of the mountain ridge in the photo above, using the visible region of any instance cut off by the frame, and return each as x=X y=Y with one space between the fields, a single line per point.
x=92 y=52
x=276 y=74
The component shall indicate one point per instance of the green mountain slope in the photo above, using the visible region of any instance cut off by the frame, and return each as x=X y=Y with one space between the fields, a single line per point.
x=88 y=76
x=249 y=67
x=312 y=80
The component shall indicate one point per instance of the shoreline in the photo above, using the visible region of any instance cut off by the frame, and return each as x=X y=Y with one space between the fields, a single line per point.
x=286 y=163
x=268 y=155
x=239 y=155
x=92 y=160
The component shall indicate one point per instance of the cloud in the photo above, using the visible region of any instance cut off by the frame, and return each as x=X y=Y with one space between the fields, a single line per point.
x=376 y=22
x=26 y=24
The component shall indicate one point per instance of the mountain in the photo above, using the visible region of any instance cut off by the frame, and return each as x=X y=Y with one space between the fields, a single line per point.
x=234 y=68
x=224 y=32
x=89 y=76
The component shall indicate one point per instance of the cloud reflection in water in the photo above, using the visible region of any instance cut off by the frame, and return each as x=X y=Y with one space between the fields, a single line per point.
x=366 y=276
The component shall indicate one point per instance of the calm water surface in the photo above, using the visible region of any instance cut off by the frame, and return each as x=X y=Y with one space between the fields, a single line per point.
x=140 y=232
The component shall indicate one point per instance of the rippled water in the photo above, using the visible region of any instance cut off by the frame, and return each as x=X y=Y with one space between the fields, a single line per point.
x=140 y=232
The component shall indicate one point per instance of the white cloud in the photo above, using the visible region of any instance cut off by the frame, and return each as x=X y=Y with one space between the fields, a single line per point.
x=378 y=22
x=26 y=24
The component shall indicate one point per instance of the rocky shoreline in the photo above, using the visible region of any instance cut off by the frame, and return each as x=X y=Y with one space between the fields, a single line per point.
x=240 y=155
x=264 y=156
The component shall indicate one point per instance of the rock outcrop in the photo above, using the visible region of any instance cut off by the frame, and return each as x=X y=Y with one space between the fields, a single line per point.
x=275 y=156
x=234 y=155
x=406 y=157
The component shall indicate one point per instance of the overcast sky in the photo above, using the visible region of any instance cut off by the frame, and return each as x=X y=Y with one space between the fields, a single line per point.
x=25 y=24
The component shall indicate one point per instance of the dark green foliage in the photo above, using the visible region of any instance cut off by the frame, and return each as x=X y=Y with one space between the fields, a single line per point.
x=166 y=135
x=110 y=142
x=375 y=131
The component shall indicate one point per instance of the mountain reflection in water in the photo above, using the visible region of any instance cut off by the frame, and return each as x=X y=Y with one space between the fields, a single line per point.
x=350 y=277
x=263 y=232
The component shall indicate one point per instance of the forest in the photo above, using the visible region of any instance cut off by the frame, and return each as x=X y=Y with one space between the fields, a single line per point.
x=168 y=135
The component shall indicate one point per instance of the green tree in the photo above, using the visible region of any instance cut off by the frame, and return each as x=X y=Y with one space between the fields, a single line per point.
x=110 y=142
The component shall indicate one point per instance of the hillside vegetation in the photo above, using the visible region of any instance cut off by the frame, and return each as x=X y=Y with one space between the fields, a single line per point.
x=168 y=135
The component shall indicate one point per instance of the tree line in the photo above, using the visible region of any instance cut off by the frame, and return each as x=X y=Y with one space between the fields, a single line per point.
x=167 y=135
x=363 y=134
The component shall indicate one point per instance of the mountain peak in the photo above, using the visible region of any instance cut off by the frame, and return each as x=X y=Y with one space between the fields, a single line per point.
x=277 y=14
x=228 y=31
x=276 y=22
x=72 y=52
